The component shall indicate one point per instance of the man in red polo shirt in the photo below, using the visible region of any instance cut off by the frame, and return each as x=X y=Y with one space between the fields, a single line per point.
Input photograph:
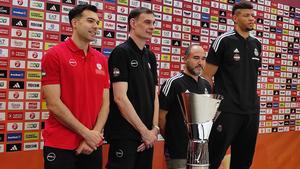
x=76 y=87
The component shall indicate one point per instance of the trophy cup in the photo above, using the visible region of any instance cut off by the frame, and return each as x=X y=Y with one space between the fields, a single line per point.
x=199 y=112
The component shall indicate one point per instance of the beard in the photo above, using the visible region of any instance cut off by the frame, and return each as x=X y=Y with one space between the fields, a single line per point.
x=249 y=29
x=192 y=70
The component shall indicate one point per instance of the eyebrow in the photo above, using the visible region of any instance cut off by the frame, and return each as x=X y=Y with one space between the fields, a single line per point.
x=97 y=20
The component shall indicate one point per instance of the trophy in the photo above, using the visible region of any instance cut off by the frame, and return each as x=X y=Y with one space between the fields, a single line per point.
x=199 y=112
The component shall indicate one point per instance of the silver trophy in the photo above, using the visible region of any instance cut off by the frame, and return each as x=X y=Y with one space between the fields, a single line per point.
x=199 y=112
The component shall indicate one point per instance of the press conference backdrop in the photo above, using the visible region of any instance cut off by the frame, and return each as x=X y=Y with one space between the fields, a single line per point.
x=28 y=28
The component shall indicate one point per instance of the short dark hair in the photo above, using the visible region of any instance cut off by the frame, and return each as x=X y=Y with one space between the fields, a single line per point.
x=135 y=13
x=242 y=5
x=77 y=11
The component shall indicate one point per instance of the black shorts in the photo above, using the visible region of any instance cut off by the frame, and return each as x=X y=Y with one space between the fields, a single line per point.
x=55 y=158
x=123 y=155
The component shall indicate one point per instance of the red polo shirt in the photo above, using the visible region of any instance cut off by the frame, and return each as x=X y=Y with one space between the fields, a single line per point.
x=82 y=80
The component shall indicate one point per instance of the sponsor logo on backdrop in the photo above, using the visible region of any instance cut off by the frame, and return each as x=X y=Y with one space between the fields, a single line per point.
x=14 y=126
x=3 y=94
x=2 y=116
x=15 y=116
x=36 y=25
x=13 y=147
x=31 y=136
x=3 y=84
x=35 y=35
x=16 y=95
x=32 y=105
x=4 y=10
x=35 y=4
x=33 y=85
x=20 y=64
x=32 y=126
x=32 y=116
x=21 y=53
x=13 y=137
x=2 y=137
x=16 y=84
x=17 y=74
x=53 y=7
x=31 y=146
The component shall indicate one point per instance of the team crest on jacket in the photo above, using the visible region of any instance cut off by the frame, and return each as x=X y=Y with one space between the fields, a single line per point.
x=99 y=66
x=256 y=52
x=72 y=62
x=236 y=55
x=116 y=72
x=134 y=63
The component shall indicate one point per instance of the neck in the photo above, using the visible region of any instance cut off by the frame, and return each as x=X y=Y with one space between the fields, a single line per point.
x=244 y=34
x=138 y=41
x=80 y=43
x=188 y=73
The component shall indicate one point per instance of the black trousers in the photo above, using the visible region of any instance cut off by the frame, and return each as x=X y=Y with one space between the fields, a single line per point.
x=235 y=130
x=55 y=158
x=123 y=155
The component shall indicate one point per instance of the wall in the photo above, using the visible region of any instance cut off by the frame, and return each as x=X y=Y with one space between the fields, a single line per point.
x=30 y=27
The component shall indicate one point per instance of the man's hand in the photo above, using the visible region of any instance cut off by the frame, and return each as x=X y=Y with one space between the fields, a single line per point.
x=93 y=138
x=148 y=137
x=84 y=148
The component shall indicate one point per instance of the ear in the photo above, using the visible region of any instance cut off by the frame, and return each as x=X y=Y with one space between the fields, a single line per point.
x=234 y=18
x=132 y=23
x=74 y=22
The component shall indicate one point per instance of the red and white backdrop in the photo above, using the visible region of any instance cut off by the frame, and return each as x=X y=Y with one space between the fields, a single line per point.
x=28 y=28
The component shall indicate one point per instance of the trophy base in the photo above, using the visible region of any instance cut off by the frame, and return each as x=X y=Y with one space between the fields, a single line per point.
x=193 y=166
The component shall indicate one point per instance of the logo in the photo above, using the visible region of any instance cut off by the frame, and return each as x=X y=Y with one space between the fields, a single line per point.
x=3 y=73
x=19 y=12
x=66 y=9
x=31 y=136
x=15 y=74
x=14 y=137
x=15 y=116
x=53 y=7
x=4 y=21
x=69 y=2
x=73 y=62
x=2 y=116
x=37 y=4
x=195 y=38
x=121 y=35
x=13 y=147
x=52 y=17
x=52 y=27
x=14 y=126
x=19 y=33
x=109 y=34
x=31 y=146
x=17 y=64
x=19 y=22
x=17 y=43
x=4 y=10
x=236 y=55
x=2 y=94
x=35 y=45
x=33 y=95
x=32 y=116
x=32 y=105
x=4 y=42
x=134 y=63
x=34 y=65
x=119 y=153
x=35 y=35
x=36 y=25
x=36 y=14
x=176 y=42
x=32 y=126
x=31 y=75
x=33 y=85
x=51 y=156
x=3 y=84
x=16 y=84
x=18 y=53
